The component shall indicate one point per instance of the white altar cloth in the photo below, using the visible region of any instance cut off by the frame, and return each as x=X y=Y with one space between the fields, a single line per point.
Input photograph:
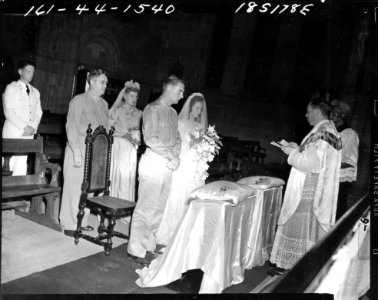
x=220 y=239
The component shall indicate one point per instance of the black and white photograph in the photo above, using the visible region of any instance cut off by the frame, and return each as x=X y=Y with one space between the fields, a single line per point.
x=181 y=148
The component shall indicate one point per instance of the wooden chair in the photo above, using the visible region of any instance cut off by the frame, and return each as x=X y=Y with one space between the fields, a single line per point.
x=96 y=180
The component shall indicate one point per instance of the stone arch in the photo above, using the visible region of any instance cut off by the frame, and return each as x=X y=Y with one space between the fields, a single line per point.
x=98 y=47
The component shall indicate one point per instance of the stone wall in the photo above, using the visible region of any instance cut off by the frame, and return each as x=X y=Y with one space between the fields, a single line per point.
x=65 y=43
x=142 y=49
x=253 y=119
x=147 y=48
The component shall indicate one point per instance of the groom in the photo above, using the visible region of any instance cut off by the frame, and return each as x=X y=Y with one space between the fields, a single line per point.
x=160 y=131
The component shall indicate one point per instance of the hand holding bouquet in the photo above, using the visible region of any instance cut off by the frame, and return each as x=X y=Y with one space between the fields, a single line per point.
x=133 y=136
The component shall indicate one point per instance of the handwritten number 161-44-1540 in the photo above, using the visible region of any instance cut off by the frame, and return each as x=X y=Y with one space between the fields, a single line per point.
x=102 y=8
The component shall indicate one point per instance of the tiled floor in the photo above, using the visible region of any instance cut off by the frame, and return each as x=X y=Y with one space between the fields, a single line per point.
x=91 y=273
x=115 y=274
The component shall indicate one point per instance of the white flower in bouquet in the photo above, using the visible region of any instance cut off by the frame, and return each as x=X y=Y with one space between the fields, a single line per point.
x=195 y=137
x=135 y=135
x=197 y=133
x=206 y=147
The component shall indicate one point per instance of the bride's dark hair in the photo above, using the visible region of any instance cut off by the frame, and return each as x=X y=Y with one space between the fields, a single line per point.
x=188 y=106
x=193 y=101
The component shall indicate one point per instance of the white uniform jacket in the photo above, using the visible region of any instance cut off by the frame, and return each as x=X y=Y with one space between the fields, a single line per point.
x=20 y=109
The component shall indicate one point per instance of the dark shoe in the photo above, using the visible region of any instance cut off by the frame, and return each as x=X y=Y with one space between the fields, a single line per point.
x=160 y=249
x=87 y=228
x=271 y=273
x=69 y=233
x=276 y=271
x=272 y=265
x=154 y=254
x=151 y=255
x=279 y=271
x=139 y=260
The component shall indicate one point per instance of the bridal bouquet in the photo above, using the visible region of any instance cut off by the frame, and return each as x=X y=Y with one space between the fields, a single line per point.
x=206 y=146
x=133 y=136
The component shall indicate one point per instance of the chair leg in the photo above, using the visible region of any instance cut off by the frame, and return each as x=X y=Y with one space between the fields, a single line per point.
x=80 y=216
x=101 y=227
x=108 y=245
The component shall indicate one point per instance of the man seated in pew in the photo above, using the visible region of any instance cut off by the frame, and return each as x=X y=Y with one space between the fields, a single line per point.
x=309 y=206
x=84 y=109
x=22 y=110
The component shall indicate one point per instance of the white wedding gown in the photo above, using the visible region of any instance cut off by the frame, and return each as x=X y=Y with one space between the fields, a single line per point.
x=183 y=182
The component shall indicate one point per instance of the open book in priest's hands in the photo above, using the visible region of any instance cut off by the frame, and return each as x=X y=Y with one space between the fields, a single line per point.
x=280 y=143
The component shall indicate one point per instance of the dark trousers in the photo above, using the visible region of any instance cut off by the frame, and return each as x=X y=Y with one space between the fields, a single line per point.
x=342 y=199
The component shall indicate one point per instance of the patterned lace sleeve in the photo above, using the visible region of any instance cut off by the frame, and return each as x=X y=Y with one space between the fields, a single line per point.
x=185 y=137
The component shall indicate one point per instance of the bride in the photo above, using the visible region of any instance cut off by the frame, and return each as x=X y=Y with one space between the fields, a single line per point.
x=192 y=122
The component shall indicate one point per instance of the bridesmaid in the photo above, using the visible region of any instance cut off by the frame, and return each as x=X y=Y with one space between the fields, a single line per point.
x=126 y=118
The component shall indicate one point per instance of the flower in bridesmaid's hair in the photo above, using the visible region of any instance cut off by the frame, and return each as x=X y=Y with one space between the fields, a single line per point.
x=132 y=85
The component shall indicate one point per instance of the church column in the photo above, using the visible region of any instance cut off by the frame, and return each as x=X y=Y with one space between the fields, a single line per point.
x=56 y=61
x=237 y=54
x=185 y=54
x=358 y=83
x=284 y=59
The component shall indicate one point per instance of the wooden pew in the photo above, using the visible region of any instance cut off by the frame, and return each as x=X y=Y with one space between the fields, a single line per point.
x=34 y=186
x=236 y=159
x=52 y=129
x=257 y=153
x=226 y=165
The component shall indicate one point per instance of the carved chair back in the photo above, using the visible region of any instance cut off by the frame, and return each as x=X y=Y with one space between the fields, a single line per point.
x=97 y=161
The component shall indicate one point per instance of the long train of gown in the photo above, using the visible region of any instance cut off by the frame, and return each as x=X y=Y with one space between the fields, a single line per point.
x=182 y=184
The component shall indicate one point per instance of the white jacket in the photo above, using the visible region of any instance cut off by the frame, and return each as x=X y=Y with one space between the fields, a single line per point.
x=20 y=109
